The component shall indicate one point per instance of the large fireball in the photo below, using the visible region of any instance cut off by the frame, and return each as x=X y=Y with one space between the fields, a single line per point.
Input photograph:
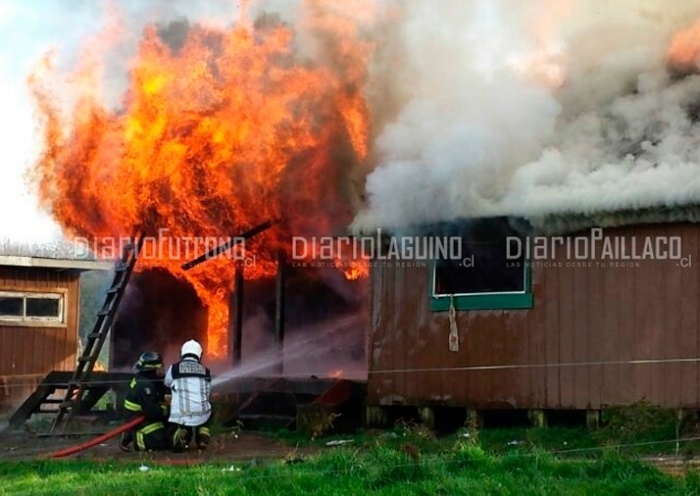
x=217 y=133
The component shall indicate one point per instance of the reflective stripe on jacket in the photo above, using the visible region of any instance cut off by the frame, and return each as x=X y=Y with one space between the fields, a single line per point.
x=146 y=396
x=190 y=385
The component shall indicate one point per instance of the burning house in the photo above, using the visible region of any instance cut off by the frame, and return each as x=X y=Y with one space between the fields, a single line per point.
x=255 y=120
x=606 y=318
x=336 y=116
x=606 y=138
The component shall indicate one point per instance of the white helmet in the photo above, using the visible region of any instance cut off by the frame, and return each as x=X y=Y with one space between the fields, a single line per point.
x=191 y=347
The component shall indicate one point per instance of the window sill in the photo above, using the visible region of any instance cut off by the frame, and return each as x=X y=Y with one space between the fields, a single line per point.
x=43 y=324
x=519 y=301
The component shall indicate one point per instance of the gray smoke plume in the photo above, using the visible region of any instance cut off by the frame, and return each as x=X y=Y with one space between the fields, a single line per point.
x=535 y=108
x=480 y=107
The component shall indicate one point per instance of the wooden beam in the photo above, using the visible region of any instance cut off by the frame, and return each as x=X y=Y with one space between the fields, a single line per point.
x=228 y=245
x=280 y=298
x=238 y=313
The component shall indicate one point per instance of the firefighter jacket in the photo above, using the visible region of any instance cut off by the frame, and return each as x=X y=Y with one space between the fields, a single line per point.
x=190 y=385
x=146 y=396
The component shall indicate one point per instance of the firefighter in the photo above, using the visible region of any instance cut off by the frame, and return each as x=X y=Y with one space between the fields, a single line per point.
x=190 y=409
x=147 y=396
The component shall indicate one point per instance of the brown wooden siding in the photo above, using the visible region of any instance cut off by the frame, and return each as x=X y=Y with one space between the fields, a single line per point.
x=572 y=350
x=27 y=354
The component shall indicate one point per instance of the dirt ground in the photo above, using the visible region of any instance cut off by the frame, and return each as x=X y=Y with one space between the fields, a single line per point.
x=228 y=447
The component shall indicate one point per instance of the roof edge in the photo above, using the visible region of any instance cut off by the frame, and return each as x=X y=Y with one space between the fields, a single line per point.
x=54 y=263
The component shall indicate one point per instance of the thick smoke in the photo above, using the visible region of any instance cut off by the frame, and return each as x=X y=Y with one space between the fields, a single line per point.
x=489 y=107
x=551 y=108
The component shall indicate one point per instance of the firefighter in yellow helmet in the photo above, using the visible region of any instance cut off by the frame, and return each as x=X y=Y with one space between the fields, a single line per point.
x=147 y=396
x=190 y=385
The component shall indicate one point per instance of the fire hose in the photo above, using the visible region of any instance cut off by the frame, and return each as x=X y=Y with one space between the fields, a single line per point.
x=93 y=442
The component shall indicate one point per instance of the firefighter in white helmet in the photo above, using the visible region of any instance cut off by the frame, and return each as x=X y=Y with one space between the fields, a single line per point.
x=190 y=409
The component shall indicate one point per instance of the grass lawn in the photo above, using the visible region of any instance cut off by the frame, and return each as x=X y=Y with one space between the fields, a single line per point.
x=406 y=460
x=382 y=467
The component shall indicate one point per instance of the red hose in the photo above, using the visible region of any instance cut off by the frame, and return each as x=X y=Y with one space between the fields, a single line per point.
x=89 y=444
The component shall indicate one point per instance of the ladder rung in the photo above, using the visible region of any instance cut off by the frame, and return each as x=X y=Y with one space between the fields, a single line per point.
x=115 y=289
x=66 y=404
x=82 y=360
x=94 y=335
x=100 y=325
x=87 y=350
x=104 y=313
x=122 y=267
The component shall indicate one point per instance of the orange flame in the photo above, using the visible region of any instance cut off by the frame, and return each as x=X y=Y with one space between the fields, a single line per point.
x=355 y=269
x=685 y=48
x=228 y=130
x=344 y=254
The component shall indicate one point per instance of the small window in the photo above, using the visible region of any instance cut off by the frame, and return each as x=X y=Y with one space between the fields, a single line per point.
x=43 y=307
x=31 y=308
x=487 y=277
x=11 y=306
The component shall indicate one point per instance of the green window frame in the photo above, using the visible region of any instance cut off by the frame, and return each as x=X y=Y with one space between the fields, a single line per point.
x=520 y=300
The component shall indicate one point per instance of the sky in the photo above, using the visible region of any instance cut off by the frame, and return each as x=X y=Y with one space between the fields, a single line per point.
x=29 y=29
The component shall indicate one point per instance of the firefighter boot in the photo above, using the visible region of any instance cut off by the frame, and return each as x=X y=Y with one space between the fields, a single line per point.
x=180 y=440
x=203 y=437
x=126 y=439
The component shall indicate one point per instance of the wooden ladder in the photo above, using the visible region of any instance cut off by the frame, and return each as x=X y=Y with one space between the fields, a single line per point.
x=80 y=381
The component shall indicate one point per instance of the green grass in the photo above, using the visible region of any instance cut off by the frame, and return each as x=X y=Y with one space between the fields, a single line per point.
x=632 y=434
x=407 y=460
x=380 y=469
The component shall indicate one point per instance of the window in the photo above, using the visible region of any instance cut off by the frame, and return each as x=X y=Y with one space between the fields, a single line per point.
x=11 y=306
x=28 y=308
x=489 y=276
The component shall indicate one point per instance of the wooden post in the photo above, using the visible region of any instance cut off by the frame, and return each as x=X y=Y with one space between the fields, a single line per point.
x=537 y=418
x=427 y=416
x=238 y=323
x=475 y=421
x=376 y=416
x=280 y=293
x=593 y=419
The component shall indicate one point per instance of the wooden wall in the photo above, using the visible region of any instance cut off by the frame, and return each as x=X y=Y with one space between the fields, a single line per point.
x=595 y=336
x=27 y=354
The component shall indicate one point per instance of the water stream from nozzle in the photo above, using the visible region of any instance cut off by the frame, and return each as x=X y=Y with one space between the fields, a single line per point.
x=303 y=356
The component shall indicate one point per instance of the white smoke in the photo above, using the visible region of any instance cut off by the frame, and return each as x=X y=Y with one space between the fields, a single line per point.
x=535 y=108
x=480 y=107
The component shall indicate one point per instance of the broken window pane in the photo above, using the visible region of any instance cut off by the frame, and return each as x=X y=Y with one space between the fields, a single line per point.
x=486 y=267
